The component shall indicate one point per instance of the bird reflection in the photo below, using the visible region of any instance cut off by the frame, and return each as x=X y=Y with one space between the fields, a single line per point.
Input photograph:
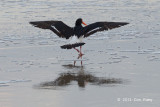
x=81 y=77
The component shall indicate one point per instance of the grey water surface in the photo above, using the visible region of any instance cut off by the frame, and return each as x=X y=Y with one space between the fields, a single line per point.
x=121 y=67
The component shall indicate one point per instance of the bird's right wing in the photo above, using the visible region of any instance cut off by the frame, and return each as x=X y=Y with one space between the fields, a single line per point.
x=101 y=26
x=58 y=27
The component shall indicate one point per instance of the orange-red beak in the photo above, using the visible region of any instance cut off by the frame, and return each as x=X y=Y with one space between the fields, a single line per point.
x=84 y=23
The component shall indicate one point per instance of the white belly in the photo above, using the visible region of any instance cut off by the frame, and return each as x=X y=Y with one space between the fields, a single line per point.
x=75 y=39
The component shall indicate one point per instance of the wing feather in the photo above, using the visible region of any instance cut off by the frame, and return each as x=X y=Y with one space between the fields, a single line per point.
x=101 y=26
x=58 y=27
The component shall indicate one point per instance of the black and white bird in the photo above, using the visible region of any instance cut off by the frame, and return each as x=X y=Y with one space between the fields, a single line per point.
x=78 y=31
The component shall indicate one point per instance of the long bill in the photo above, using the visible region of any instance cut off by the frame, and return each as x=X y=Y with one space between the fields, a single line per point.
x=84 y=23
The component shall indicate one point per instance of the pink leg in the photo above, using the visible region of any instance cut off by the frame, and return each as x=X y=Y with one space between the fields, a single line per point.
x=81 y=51
x=77 y=50
x=81 y=61
x=81 y=54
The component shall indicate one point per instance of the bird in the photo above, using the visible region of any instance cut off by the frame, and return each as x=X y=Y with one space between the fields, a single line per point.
x=78 y=31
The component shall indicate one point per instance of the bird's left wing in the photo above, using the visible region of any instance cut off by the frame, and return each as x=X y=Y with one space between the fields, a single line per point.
x=101 y=26
x=58 y=27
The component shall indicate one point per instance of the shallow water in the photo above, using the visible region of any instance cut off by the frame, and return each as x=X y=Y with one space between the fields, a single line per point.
x=118 y=64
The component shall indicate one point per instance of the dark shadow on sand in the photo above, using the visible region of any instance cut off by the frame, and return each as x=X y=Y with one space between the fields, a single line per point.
x=80 y=76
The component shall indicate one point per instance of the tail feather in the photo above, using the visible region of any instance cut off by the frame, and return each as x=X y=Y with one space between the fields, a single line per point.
x=70 y=46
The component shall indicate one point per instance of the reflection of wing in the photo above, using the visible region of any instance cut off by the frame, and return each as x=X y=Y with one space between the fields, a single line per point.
x=63 y=80
x=66 y=78
x=58 y=27
x=101 y=26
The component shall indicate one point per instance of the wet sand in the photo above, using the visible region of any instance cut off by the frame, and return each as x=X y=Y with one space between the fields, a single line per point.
x=120 y=66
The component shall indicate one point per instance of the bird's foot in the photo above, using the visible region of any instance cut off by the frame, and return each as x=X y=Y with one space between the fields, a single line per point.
x=80 y=55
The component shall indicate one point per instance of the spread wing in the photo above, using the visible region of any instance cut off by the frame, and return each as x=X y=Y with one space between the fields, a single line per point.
x=101 y=26
x=58 y=27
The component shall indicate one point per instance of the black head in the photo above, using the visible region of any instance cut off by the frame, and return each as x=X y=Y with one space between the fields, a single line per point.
x=79 y=22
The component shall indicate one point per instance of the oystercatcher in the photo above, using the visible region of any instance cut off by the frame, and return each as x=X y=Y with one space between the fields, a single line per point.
x=64 y=31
